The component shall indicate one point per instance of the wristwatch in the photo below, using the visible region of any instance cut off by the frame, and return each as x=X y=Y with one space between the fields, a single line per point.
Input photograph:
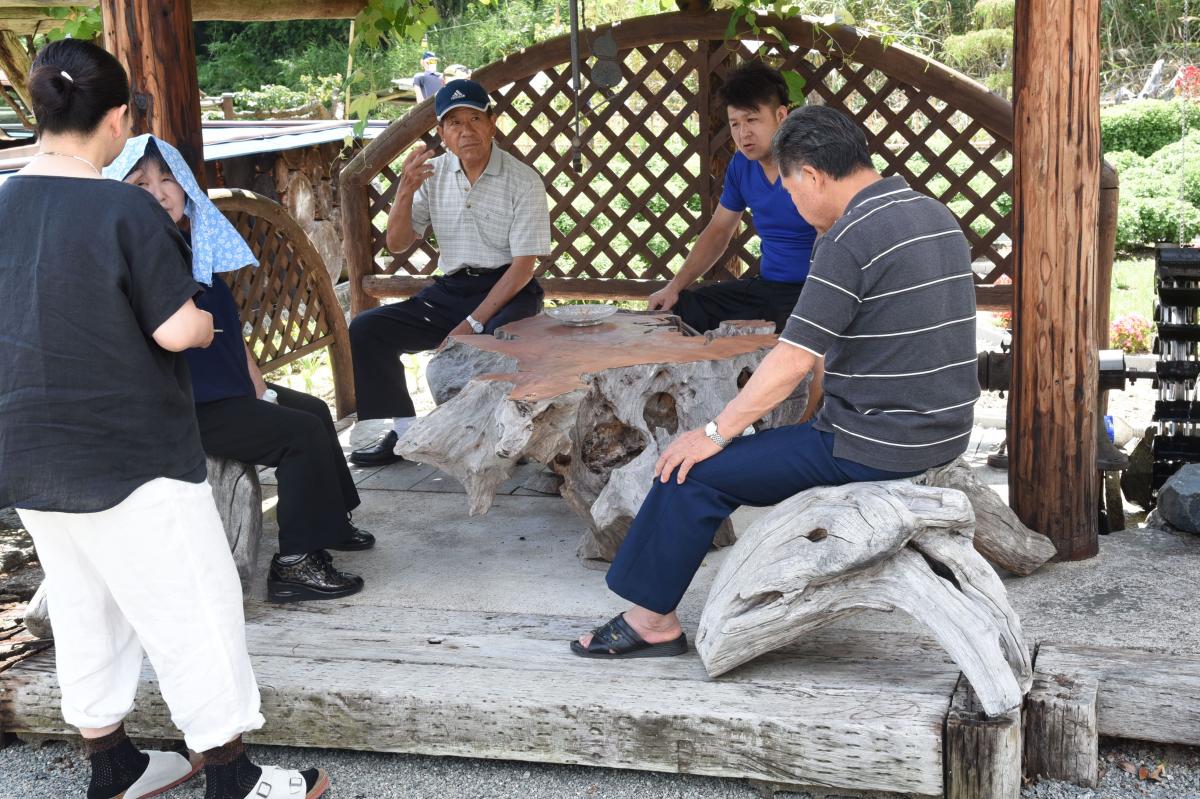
x=475 y=325
x=710 y=430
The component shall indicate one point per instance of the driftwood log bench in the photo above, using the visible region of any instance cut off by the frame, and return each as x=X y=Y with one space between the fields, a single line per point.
x=828 y=553
x=595 y=404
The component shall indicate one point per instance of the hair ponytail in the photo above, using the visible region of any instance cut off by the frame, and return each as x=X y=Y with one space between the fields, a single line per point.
x=73 y=84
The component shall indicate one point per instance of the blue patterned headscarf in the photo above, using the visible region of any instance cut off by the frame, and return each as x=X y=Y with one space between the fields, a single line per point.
x=216 y=244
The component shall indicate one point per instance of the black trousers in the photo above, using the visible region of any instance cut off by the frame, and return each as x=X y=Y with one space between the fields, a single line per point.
x=379 y=337
x=706 y=307
x=297 y=437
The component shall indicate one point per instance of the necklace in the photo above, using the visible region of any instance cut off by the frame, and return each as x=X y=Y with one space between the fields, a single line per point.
x=76 y=157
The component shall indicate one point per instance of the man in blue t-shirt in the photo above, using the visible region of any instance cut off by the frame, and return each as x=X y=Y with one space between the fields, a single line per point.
x=755 y=97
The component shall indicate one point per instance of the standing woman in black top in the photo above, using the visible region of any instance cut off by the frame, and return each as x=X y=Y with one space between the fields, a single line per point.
x=100 y=453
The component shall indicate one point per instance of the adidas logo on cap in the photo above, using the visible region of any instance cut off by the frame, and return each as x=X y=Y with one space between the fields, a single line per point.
x=457 y=95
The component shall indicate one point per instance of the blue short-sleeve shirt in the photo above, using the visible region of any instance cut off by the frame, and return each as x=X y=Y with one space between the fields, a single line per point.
x=787 y=240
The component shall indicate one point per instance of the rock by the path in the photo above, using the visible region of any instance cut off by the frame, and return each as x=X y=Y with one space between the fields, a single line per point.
x=1179 y=499
x=1135 y=481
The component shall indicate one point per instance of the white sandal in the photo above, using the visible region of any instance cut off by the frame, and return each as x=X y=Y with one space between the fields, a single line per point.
x=277 y=783
x=164 y=771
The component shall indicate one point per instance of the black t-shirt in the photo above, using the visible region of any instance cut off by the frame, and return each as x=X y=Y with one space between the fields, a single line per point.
x=219 y=371
x=91 y=407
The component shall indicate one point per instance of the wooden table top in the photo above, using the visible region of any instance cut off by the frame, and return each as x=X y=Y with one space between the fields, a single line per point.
x=552 y=357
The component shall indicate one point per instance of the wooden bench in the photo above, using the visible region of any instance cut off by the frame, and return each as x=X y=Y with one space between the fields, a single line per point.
x=911 y=545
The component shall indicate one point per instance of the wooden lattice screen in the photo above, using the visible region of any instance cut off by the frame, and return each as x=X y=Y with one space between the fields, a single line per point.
x=654 y=150
x=287 y=304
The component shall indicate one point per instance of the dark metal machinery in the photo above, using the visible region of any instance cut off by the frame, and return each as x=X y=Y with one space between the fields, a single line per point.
x=1177 y=343
x=1177 y=411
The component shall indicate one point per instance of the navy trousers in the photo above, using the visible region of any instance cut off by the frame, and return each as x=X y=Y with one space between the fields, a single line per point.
x=676 y=524
x=379 y=337
x=709 y=304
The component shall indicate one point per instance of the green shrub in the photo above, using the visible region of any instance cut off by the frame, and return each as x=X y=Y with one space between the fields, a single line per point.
x=1121 y=160
x=1145 y=126
x=1141 y=221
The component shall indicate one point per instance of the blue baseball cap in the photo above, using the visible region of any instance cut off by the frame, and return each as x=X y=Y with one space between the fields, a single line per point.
x=458 y=93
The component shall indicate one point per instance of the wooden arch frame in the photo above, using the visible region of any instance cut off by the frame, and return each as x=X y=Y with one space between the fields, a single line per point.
x=929 y=90
x=287 y=302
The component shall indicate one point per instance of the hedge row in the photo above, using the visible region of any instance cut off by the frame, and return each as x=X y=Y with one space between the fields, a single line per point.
x=1158 y=193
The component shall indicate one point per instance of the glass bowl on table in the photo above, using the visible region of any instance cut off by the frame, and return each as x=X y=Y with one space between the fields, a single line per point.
x=581 y=315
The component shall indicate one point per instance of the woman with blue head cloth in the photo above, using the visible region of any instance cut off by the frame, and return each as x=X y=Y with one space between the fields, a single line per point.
x=240 y=416
x=100 y=450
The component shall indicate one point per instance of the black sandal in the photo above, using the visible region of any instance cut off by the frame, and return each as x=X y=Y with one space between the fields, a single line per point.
x=618 y=640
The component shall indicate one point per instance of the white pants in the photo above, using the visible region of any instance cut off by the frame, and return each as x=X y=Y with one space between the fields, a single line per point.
x=153 y=572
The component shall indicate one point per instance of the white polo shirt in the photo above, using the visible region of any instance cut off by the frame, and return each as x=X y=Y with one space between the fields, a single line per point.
x=503 y=216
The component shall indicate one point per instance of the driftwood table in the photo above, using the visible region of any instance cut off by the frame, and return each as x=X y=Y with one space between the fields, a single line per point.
x=595 y=404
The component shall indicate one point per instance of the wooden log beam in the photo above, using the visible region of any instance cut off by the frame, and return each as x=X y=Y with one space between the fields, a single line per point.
x=1147 y=696
x=15 y=63
x=1053 y=481
x=983 y=755
x=1062 y=741
x=376 y=287
x=26 y=18
x=155 y=43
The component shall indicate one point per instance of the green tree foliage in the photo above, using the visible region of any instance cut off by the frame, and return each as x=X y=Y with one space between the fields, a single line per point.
x=986 y=52
x=233 y=56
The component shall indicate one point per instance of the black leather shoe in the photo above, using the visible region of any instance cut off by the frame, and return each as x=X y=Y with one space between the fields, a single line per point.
x=312 y=577
x=358 y=540
x=380 y=453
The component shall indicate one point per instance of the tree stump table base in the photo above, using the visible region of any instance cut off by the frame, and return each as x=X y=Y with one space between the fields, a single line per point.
x=596 y=404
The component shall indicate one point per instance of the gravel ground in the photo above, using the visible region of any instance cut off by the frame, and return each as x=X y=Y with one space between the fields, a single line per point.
x=59 y=770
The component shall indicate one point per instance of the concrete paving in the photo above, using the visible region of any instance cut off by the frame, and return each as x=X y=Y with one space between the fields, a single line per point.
x=1139 y=592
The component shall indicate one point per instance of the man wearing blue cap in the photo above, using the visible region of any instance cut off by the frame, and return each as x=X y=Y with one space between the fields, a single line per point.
x=428 y=80
x=488 y=212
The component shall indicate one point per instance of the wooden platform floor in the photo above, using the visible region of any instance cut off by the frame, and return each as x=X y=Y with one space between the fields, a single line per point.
x=458 y=646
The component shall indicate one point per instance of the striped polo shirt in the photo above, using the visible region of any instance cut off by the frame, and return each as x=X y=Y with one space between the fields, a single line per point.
x=890 y=305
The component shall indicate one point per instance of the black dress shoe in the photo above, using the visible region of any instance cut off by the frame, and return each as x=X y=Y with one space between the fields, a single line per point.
x=380 y=453
x=312 y=577
x=357 y=541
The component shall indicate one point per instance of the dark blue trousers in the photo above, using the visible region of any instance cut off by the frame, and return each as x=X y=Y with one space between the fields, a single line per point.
x=379 y=337
x=676 y=524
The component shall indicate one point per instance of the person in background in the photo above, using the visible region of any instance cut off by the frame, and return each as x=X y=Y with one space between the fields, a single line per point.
x=427 y=82
x=100 y=450
x=489 y=213
x=755 y=98
x=292 y=432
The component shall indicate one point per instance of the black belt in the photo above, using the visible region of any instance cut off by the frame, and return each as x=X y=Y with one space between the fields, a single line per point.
x=471 y=271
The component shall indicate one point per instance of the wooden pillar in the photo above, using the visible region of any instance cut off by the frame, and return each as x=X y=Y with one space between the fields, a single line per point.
x=1053 y=482
x=153 y=39
x=982 y=754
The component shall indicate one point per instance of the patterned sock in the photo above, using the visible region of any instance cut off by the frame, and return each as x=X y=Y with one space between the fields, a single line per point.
x=116 y=764
x=229 y=774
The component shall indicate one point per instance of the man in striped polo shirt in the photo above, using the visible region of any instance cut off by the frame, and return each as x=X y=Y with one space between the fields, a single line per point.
x=888 y=314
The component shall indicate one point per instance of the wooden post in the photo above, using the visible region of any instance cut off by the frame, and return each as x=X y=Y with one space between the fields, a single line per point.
x=1053 y=481
x=982 y=755
x=1062 y=741
x=155 y=43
